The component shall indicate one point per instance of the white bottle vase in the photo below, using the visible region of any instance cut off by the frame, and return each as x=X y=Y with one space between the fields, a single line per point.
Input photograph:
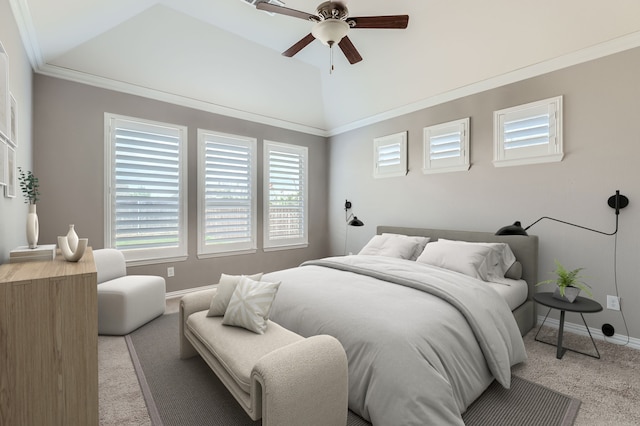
x=72 y=238
x=33 y=228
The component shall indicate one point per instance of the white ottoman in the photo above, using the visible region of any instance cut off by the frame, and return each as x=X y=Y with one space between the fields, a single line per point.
x=129 y=302
x=125 y=302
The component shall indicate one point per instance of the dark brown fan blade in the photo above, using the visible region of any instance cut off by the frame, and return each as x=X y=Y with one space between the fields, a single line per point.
x=285 y=11
x=349 y=50
x=298 y=46
x=395 y=21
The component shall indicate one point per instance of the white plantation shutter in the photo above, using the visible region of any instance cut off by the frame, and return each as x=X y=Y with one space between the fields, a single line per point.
x=530 y=133
x=146 y=207
x=390 y=155
x=446 y=147
x=285 y=195
x=226 y=193
x=533 y=130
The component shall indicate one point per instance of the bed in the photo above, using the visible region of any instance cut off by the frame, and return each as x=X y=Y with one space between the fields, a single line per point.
x=422 y=341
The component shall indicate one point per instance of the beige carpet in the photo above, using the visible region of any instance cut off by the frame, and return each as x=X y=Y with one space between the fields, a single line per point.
x=120 y=397
x=609 y=388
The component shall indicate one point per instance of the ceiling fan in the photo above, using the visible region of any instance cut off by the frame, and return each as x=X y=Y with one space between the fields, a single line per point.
x=332 y=23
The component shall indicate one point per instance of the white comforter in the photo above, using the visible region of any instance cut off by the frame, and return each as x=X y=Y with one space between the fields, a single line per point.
x=422 y=342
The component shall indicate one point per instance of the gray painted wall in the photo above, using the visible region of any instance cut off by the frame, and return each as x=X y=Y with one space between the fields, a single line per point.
x=69 y=159
x=602 y=147
x=13 y=211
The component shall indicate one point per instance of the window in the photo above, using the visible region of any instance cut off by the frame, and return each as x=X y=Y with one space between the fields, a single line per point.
x=146 y=194
x=528 y=134
x=446 y=147
x=285 y=196
x=390 y=155
x=226 y=194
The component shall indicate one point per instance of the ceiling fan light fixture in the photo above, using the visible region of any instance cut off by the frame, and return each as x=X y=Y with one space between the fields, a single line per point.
x=330 y=31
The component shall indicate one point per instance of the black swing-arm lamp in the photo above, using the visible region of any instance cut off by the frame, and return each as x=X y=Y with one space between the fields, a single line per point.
x=350 y=218
x=616 y=202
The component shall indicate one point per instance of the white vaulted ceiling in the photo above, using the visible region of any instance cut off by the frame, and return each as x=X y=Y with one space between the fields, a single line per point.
x=224 y=55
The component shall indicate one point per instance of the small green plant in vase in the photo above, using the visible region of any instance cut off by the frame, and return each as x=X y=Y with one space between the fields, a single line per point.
x=29 y=185
x=30 y=190
x=569 y=283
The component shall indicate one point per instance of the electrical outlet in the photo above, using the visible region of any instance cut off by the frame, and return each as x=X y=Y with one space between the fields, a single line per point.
x=613 y=303
x=170 y=271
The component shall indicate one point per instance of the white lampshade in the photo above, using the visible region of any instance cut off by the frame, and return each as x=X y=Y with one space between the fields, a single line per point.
x=330 y=31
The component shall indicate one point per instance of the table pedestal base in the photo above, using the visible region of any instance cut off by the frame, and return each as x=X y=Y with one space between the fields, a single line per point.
x=560 y=349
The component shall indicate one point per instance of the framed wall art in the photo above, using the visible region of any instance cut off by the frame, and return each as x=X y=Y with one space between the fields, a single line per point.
x=12 y=175
x=3 y=162
x=13 y=121
x=5 y=103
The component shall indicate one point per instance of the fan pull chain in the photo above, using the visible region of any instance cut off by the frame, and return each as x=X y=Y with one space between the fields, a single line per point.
x=331 y=59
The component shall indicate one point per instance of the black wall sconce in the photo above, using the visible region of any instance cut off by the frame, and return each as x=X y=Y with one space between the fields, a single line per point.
x=350 y=218
x=616 y=202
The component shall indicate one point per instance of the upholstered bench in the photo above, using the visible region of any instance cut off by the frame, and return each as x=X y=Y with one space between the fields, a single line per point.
x=278 y=376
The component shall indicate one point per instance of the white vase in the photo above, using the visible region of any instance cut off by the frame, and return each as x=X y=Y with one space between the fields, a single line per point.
x=72 y=238
x=75 y=255
x=33 y=228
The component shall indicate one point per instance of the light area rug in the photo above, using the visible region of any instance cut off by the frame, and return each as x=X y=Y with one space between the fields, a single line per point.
x=187 y=392
x=121 y=402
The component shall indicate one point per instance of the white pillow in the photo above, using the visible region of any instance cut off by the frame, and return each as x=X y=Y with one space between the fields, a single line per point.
x=250 y=305
x=421 y=242
x=471 y=260
x=226 y=287
x=502 y=258
x=390 y=245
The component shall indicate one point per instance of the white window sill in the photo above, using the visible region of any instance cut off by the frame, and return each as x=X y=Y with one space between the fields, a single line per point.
x=552 y=158
x=286 y=247
x=226 y=253
x=155 y=261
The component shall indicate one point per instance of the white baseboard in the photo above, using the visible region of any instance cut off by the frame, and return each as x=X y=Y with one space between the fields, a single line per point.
x=579 y=329
x=180 y=293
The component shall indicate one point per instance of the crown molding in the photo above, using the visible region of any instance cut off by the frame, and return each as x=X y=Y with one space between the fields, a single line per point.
x=611 y=47
x=27 y=31
x=150 y=93
x=22 y=16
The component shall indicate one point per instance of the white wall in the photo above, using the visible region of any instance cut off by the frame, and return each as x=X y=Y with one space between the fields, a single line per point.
x=13 y=212
x=602 y=146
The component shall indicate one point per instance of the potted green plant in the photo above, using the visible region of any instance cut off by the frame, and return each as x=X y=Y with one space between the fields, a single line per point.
x=569 y=283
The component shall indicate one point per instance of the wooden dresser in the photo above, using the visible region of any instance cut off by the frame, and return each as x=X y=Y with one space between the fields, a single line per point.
x=49 y=343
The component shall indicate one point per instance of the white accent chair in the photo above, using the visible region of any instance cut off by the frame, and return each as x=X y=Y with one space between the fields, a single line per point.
x=125 y=302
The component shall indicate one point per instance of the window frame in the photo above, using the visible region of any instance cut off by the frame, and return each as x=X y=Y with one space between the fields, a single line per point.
x=395 y=170
x=284 y=243
x=550 y=152
x=457 y=163
x=226 y=249
x=145 y=256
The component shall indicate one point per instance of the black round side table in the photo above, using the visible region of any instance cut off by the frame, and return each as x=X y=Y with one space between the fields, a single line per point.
x=581 y=305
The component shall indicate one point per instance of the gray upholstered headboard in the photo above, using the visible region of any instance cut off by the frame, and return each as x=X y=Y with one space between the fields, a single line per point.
x=524 y=248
